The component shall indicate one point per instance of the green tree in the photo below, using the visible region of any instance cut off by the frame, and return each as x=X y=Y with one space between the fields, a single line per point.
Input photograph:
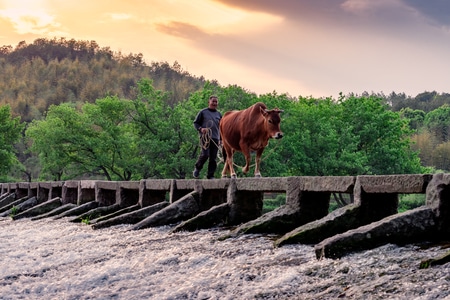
x=415 y=117
x=352 y=136
x=96 y=141
x=438 y=122
x=10 y=132
x=382 y=135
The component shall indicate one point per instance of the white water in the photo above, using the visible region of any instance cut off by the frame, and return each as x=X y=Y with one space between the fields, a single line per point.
x=56 y=259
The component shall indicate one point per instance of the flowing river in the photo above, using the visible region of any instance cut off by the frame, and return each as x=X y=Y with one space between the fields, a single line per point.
x=57 y=259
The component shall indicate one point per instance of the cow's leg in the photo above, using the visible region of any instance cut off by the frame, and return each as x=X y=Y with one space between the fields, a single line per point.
x=258 y=162
x=248 y=159
x=225 y=168
x=231 y=165
x=228 y=167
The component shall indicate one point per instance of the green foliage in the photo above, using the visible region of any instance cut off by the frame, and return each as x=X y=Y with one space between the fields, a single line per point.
x=270 y=204
x=438 y=121
x=161 y=132
x=14 y=211
x=415 y=117
x=10 y=130
x=410 y=201
x=352 y=136
x=381 y=136
x=98 y=140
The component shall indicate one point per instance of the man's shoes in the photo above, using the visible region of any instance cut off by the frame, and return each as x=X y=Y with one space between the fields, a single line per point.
x=196 y=173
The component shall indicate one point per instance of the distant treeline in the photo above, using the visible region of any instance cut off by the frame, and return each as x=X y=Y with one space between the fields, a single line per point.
x=46 y=72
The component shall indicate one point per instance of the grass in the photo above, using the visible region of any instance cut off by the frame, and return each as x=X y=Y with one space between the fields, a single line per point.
x=410 y=201
x=14 y=211
x=271 y=203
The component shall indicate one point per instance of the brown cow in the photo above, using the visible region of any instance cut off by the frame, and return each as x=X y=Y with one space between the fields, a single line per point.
x=248 y=130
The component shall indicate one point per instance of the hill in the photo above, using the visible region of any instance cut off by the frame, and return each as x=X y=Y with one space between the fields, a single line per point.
x=35 y=76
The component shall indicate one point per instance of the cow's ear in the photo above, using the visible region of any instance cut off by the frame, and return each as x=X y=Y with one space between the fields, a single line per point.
x=264 y=111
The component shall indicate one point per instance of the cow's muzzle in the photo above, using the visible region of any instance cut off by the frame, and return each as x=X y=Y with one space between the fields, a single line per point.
x=278 y=135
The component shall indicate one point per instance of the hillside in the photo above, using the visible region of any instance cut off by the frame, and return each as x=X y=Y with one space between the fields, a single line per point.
x=35 y=76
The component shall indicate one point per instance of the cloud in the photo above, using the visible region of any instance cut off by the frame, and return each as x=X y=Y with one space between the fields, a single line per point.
x=438 y=11
x=306 y=47
x=180 y=29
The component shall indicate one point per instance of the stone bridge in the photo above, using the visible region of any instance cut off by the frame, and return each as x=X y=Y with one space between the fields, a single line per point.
x=371 y=220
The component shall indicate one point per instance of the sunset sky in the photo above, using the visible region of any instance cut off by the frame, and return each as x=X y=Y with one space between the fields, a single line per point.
x=301 y=47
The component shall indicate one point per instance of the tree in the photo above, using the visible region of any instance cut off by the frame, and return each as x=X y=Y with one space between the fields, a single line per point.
x=438 y=122
x=441 y=156
x=10 y=132
x=424 y=144
x=96 y=140
x=383 y=136
x=352 y=136
x=415 y=117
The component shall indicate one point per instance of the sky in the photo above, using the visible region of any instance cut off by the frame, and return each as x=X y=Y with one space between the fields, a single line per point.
x=317 y=48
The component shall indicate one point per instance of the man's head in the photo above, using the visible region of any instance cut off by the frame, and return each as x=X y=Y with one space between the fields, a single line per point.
x=212 y=102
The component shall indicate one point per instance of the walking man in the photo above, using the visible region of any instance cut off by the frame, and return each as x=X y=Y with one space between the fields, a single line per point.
x=207 y=124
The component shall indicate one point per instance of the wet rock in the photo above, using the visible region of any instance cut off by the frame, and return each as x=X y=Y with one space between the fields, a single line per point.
x=55 y=212
x=181 y=210
x=280 y=220
x=20 y=206
x=8 y=206
x=6 y=200
x=39 y=209
x=131 y=217
x=80 y=209
x=441 y=260
x=217 y=215
x=336 y=222
x=95 y=213
x=116 y=213
x=411 y=226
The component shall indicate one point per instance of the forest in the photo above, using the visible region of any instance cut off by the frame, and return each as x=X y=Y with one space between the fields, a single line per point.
x=74 y=110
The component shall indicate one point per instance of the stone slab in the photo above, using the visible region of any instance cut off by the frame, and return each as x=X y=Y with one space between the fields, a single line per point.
x=402 y=184
x=265 y=184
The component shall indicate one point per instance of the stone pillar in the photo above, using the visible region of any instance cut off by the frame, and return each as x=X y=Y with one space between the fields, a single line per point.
x=23 y=190
x=44 y=191
x=438 y=199
x=106 y=192
x=182 y=187
x=70 y=192
x=86 y=191
x=152 y=191
x=245 y=205
x=127 y=193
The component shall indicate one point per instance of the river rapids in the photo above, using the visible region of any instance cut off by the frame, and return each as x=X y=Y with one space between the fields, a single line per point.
x=58 y=259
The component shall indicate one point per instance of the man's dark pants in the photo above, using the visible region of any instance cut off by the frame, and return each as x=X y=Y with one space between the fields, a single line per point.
x=211 y=154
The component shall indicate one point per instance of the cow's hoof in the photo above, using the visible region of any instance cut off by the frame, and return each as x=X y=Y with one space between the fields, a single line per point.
x=224 y=176
x=233 y=176
x=258 y=175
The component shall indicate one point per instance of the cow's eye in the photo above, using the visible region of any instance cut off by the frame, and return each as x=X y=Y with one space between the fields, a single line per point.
x=270 y=121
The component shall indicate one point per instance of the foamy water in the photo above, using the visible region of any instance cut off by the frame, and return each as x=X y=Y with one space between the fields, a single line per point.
x=56 y=259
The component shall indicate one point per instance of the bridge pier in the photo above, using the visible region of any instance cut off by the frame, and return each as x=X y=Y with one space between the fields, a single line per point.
x=375 y=197
x=370 y=220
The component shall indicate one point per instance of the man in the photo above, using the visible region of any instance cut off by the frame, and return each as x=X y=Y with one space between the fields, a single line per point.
x=207 y=124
